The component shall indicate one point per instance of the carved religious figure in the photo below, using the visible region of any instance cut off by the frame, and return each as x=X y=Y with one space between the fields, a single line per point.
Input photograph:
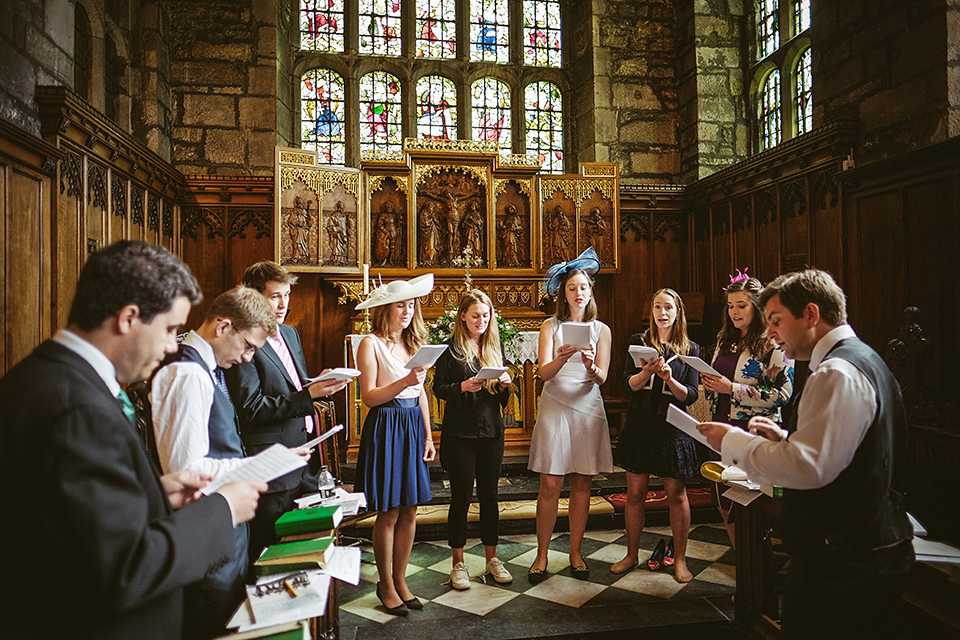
x=336 y=228
x=430 y=243
x=509 y=232
x=453 y=223
x=558 y=236
x=472 y=228
x=596 y=230
x=298 y=224
x=386 y=235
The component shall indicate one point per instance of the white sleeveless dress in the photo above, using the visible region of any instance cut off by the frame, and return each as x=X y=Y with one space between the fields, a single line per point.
x=571 y=434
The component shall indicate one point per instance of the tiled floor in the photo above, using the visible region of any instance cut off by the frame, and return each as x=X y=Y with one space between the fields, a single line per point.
x=559 y=606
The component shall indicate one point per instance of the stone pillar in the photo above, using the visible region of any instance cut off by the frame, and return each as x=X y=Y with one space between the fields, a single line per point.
x=151 y=107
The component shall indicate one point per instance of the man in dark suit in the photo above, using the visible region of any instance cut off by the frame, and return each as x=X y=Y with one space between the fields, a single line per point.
x=274 y=402
x=96 y=544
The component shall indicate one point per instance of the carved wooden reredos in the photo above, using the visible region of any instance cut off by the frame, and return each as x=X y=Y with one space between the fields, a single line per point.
x=429 y=207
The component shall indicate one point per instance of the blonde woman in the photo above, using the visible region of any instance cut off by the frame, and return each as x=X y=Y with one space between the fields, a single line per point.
x=397 y=441
x=571 y=437
x=472 y=445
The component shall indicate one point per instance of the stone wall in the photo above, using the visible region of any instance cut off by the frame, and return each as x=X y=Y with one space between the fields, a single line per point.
x=36 y=47
x=224 y=86
x=886 y=64
x=152 y=106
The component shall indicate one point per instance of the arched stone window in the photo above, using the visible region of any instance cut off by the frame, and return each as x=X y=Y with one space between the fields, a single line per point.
x=380 y=116
x=491 y=111
x=322 y=114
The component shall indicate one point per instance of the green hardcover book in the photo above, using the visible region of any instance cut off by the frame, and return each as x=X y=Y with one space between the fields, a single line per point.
x=294 y=556
x=309 y=520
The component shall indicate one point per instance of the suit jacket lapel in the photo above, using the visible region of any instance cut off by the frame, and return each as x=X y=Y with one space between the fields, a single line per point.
x=289 y=335
x=271 y=355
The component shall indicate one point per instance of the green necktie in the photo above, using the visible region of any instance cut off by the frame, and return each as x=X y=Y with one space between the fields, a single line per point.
x=127 y=407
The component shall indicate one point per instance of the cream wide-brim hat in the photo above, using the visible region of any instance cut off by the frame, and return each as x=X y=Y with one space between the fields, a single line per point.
x=397 y=291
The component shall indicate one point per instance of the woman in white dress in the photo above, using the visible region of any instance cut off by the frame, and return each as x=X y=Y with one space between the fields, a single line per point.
x=571 y=437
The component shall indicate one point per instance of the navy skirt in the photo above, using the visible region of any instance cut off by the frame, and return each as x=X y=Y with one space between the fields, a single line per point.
x=390 y=467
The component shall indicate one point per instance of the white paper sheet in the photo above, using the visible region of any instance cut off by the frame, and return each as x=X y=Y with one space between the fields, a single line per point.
x=243 y=618
x=426 y=356
x=350 y=503
x=687 y=423
x=918 y=529
x=340 y=373
x=642 y=354
x=271 y=463
x=273 y=598
x=345 y=565
x=741 y=495
x=490 y=373
x=319 y=439
x=575 y=334
x=930 y=551
x=700 y=365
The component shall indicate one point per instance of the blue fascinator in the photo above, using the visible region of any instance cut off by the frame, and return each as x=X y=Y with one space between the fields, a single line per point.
x=588 y=261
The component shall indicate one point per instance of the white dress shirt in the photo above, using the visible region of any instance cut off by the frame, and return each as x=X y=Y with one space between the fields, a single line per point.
x=181 y=397
x=837 y=406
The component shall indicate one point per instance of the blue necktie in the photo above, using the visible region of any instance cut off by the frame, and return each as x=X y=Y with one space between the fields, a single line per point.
x=127 y=407
x=221 y=381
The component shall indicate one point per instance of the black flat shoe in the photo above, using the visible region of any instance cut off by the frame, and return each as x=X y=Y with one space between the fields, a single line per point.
x=413 y=604
x=668 y=555
x=656 y=560
x=536 y=576
x=580 y=573
x=399 y=610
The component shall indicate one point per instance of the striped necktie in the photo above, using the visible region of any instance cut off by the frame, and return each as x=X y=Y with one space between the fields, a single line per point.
x=221 y=381
x=286 y=358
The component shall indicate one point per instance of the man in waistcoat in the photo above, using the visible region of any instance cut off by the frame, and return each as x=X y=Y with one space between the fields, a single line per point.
x=196 y=429
x=275 y=403
x=97 y=545
x=841 y=520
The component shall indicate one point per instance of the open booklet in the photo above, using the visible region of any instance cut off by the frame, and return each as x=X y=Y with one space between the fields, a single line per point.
x=271 y=463
x=490 y=373
x=426 y=356
x=340 y=373
x=642 y=354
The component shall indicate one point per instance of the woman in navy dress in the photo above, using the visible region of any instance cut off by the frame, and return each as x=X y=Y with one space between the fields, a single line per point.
x=648 y=443
x=396 y=442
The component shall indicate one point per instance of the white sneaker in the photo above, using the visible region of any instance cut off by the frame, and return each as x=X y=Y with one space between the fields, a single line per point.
x=499 y=572
x=460 y=577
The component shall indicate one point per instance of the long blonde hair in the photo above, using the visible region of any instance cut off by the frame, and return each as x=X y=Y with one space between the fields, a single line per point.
x=413 y=336
x=487 y=350
x=679 y=342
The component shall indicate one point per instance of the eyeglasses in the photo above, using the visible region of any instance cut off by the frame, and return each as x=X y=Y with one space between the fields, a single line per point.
x=249 y=348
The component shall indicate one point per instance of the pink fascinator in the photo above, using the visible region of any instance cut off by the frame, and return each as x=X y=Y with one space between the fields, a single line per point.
x=738 y=277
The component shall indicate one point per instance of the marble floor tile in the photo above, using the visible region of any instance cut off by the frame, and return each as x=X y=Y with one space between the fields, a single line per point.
x=725 y=574
x=566 y=591
x=369 y=573
x=479 y=599
x=476 y=565
x=604 y=536
x=705 y=550
x=523 y=538
x=368 y=607
x=610 y=554
x=652 y=583
x=556 y=561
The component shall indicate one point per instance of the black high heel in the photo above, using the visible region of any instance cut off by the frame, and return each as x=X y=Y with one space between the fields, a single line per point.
x=399 y=610
x=656 y=560
x=668 y=556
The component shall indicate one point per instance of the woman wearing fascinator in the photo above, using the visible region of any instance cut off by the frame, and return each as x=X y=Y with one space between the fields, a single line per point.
x=396 y=442
x=649 y=444
x=571 y=437
x=757 y=375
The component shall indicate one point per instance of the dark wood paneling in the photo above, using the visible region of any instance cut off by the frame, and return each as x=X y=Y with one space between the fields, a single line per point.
x=881 y=291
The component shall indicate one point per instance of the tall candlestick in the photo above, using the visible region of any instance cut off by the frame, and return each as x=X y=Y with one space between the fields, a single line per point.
x=366 y=279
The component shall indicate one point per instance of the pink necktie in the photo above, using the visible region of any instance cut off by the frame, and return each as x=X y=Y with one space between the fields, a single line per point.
x=284 y=353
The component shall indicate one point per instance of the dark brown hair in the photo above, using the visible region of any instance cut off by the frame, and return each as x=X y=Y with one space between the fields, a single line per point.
x=800 y=288
x=756 y=341
x=258 y=275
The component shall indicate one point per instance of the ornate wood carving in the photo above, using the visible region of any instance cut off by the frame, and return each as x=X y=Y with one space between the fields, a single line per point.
x=639 y=223
x=136 y=206
x=721 y=220
x=826 y=190
x=742 y=218
x=97 y=185
x=793 y=200
x=662 y=223
x=92 y=246
x=118 y=195
x=153 y=213
x=765 y=206
x=167 y=221
x=192 y=217
x=70 y=169
x=908 y=356
x=259 y=218
x=451 y=214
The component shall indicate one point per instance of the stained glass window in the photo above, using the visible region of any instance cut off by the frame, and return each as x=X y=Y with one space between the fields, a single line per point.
x=491 y=112
x=380 y=27
x=322 y=114
x=804 y=106
x=543 y=108
x=321 y=25
x=801 y=16
x=436 y=108
x=541 y=33
x=489 y=31
x=768 y=27
x=769 y=116
x=436 y=29
x=380 y=116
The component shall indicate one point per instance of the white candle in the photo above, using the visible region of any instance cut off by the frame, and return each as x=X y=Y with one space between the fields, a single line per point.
x=366 y=279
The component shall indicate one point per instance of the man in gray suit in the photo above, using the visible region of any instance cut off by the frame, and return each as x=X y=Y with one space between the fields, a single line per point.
x=94 y=539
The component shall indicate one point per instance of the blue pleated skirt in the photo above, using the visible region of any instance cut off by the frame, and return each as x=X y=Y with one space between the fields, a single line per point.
x=390 y=467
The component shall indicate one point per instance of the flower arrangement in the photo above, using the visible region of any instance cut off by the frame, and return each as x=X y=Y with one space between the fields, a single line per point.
x=441 y=328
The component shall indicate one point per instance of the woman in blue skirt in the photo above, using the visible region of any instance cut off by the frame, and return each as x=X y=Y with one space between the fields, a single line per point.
x=396 y=442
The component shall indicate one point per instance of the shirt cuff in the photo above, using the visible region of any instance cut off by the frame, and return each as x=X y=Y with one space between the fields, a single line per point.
x=233 y=513
x=732 y=446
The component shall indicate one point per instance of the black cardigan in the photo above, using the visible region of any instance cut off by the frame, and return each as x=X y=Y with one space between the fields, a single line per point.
x=477 y=414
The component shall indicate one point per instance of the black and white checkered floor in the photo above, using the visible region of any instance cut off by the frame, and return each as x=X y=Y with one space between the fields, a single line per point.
x=560 y=605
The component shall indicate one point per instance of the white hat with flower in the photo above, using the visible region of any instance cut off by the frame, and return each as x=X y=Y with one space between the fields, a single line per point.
x=397 y=291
